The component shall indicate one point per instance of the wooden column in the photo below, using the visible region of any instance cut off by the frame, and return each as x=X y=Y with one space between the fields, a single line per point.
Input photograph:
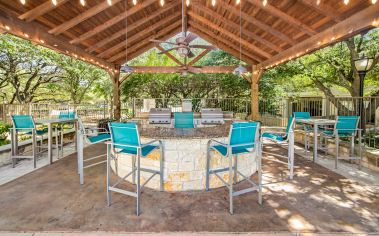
x=256 y=76
x=115 y=76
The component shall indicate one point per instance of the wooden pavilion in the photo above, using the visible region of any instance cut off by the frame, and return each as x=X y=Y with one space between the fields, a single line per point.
x=274 y=31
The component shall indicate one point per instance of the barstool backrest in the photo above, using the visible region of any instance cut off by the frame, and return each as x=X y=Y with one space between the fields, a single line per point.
x=67 y=114
x=244 y=133
x=184 y=120
x=347 y=125
x=302 y=115
x=125 y=134
x=23 y=122
x=290 y=124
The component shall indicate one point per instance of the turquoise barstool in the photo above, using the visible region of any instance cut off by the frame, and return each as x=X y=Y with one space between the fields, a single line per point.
x=307 y=128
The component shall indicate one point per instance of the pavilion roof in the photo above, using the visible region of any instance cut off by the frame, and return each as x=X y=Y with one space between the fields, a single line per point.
x=271 y=34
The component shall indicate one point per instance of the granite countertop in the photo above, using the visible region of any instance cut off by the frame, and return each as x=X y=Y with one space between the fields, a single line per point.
x=159 y=132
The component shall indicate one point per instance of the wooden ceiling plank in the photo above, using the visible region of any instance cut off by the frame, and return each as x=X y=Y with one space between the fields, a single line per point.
x=284 y=16
x=323 y=9
x=198 y=57
x=254 y=21
x=81 y=17
x=40 y=10
x=140 y=35
x=247 y=44
x=157 y=35
x=38 y=34
x=109 y=23
x=351 y=26
x=169 y=55
x=231 y=24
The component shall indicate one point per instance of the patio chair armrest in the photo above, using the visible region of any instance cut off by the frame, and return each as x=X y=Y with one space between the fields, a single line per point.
x=151 y=142
x=273 y=127
x=218 y=142
x=122 y=145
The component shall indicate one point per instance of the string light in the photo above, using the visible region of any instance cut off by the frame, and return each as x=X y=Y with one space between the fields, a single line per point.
x=375 y=23
x=318 y=2
x=162 y=3
x=187 y=2
x=7 y=28
x=135 y=2
x=54 y=2
x=83 y=2
x=23 y=2
x=109 y=2
x=213 y=2
x=238 y=2
x=346 y=2
x=264 y=2
x=373 y=1
x=42 y=41
x=26 y=35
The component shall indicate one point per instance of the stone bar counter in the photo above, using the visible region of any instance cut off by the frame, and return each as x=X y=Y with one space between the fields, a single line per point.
x=184 y=157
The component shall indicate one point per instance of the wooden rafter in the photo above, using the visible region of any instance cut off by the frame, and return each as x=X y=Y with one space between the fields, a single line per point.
x=222 y=44
x=140 y=35
x=284 y=16
x=40 y=10
x=175 y=69
x=159 y=34
x=324 y=9
x=350 y=26
x=198 y=57
x=109 y=23
x=38 y=34
x=254 y=21
x=229 y=34
x=233 y=25
x=81 y=17
x=169 y=55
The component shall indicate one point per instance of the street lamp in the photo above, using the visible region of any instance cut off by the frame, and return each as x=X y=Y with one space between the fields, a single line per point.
x=362 y=65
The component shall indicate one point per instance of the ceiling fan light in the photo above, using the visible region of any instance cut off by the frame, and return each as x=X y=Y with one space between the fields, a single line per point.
x=83 y=2
x=240 y=70
x=23 y=2
x=162 y=3
x=126 y=69
x=109 y=2
x=54 y=2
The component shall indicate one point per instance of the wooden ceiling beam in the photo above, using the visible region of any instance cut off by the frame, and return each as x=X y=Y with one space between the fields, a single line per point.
x=351 y=26
x=175 y=69
x=140 y=35
x=109 y=23
x=323 y=9
x=284 y=17
x=229 y=34
x=254 y=21
x=198 y=57
x=38 y=34
x=169 y=55
x=222 y=44
x=157 y=35
x=81 y=17
x=233 y=25
x=40 y=10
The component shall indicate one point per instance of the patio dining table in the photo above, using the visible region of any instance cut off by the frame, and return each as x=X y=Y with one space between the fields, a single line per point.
x=50 y=123
x=315 y=123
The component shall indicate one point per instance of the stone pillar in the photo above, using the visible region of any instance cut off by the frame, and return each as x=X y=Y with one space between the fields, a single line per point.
x=256 y=75
x=115 y=76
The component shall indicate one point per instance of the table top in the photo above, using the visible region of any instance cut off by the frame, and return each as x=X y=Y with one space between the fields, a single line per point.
x=316 y=121
x=55 y=121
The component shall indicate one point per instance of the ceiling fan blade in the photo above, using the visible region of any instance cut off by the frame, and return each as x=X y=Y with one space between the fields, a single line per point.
x=209 y=47
x=190 y=37
x=190 y=54
x=167 y=50
x=159 y=41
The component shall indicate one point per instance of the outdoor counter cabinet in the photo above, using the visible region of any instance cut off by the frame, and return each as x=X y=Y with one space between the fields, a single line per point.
x=185 y=152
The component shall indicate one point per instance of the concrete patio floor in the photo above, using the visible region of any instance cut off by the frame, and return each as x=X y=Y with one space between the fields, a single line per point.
x=317 y=200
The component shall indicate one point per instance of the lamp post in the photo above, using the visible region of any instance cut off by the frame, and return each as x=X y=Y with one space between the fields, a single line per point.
x=362 y=65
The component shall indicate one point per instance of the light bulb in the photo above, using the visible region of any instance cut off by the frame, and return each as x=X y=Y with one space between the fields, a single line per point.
x=162 y=3
x=135 y=2
x=213 y=2
x=373 y=1
x=318 y=2
x=23 y=2
x=83 y=2
x=187 y=2
x=109 y=2
x=238 y=2
x=346 y=2
x=54 y=2
x=264 y=2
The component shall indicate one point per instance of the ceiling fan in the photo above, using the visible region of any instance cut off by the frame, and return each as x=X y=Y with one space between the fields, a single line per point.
x=182 y=43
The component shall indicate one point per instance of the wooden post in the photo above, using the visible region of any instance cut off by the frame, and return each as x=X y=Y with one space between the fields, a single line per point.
x=256 y=76
x=115 y=76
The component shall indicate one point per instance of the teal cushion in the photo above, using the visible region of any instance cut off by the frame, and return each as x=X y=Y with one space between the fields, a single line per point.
x=38 y=132
x=235 y=150
x=331 y=133
x=145 y=150
x=99 y=138
x=274 y=137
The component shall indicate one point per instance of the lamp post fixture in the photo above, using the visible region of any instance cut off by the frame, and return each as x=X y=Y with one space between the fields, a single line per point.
x=362 y=65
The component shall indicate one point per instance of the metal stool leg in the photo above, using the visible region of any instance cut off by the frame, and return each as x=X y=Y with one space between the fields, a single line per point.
x=138 y=180
x=260 y=174
x=207 y=167
x=109 y=193
x=235 y=169
x=34 y=148
x=161 y=169
x=337 y=150
x=231 y=183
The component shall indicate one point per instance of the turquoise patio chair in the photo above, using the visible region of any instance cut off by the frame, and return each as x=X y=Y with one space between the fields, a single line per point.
x=282 y=138
x=125 y=140
x=346 y=127
x=243 y=138
x=60 y=129
x=307 y=129
x=184 y=120
x=24 y=124
x=90 y=136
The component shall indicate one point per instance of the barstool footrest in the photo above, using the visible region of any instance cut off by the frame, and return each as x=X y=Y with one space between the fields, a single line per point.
x=118 y=190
